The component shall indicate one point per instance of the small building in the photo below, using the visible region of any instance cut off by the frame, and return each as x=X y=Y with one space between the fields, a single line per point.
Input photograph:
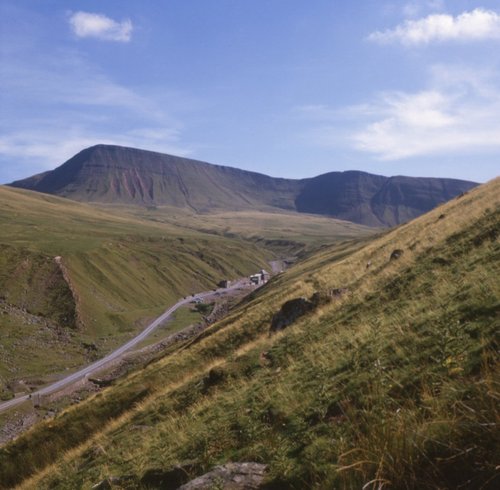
x=256 y=279
x=225 y=283
x=260 y=278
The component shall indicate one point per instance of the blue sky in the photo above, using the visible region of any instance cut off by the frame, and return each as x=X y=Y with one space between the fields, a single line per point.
x=283 y=87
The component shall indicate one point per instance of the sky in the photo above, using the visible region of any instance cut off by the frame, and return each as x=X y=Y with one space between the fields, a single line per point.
x=289 y=88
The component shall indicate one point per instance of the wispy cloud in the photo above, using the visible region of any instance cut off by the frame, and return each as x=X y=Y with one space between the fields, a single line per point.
x=457 y=112
x=72 y=104
x=49 y=146
x=416 y=7
x=99 y=26
x=476 y=25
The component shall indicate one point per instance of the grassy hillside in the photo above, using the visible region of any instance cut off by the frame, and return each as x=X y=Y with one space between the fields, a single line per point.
x=390 y=380
x=284 y=232
x=76 y=280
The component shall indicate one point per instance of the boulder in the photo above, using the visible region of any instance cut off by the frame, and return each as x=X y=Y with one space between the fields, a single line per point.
x=338 y=292
x=102 y=485
x=290 y=312
x=231 y=476
x=396 y=254
x=174 y=477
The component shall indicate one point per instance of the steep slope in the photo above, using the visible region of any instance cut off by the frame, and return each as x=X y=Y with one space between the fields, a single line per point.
x=72 y=276
x=76 y=281
x=387 y=379
x=112 y=174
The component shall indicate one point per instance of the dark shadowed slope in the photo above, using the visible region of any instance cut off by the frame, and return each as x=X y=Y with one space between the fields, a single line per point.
x=118 y=175
x=375 y=200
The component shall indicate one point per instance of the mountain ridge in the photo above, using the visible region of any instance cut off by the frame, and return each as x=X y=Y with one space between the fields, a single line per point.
x=119 y=175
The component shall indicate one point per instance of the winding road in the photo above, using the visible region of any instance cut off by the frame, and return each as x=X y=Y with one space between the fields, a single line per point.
x=98 y=365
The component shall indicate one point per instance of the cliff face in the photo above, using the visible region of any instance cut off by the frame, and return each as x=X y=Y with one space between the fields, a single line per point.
x=35 y=283
x=113 y=174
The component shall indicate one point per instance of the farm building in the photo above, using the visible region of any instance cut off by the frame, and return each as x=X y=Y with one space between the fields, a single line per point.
x=260 y=278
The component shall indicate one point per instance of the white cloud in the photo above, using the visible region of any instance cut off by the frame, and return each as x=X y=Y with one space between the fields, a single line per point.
x=47 y=147
x=459 y=113
x=478 y=24
x=414 y=8
x=99 y=26
x=456 y=114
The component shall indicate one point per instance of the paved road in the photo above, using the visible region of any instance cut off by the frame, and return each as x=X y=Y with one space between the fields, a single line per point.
x=96 y=366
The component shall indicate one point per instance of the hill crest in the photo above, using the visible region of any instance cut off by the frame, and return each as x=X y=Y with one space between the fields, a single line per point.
x=120 y=175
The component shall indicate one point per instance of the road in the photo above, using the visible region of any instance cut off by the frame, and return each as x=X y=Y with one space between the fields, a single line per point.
x=98 y=365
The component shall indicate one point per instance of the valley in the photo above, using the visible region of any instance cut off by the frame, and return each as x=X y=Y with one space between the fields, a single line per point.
x=250 y=245
x=389 y=363
x=77 y=280
x=101 y=364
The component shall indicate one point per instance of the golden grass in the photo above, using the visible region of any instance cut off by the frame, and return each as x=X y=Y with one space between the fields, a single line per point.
x=394 y=385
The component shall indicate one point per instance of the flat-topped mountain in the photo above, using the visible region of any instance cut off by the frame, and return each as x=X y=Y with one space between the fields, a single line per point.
x=119 y=175
x=114 y=174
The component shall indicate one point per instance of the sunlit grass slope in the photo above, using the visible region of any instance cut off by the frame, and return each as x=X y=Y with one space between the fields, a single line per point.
x=393 y=383
x=279 y=230
x=117 y=267
x=73 y=275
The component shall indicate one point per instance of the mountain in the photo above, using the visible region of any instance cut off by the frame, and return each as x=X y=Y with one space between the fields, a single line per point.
x=114 y=174
x=384 y=375
x=375 y=200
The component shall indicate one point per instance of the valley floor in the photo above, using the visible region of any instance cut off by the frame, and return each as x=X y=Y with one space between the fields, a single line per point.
x=24 y=410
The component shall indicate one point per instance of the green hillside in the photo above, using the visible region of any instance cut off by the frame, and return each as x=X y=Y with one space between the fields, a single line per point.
x=76 y=281
x=388 y=379
x=279 y=230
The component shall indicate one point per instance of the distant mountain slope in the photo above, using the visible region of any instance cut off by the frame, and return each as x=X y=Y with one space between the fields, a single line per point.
x=374 y=200
x=113 y=174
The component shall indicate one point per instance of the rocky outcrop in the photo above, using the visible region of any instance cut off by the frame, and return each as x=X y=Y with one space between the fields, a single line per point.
x=36 y=284
x=172 y=477
x=295 y=308
x=76 y=300
x=396 y=254
x=231 y=476
x=290 y=312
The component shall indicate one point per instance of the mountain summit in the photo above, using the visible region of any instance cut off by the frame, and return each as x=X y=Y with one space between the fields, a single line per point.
x=120 y=175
